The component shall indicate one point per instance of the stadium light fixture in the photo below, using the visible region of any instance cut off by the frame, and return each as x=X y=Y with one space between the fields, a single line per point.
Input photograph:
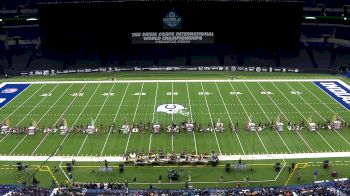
x=310 y=17
x=0 y=20
x=31 y=19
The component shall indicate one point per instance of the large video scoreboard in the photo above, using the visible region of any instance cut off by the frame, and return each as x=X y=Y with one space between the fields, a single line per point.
x=120 y=24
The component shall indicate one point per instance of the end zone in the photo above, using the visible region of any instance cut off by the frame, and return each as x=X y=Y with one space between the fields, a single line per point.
x=9 y=91
x=338 y=90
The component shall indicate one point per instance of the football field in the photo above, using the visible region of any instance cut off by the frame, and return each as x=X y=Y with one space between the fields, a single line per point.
x=162 y=102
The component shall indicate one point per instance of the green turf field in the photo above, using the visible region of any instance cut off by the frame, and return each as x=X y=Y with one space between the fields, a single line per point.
x=108 y=103
x=115 y=103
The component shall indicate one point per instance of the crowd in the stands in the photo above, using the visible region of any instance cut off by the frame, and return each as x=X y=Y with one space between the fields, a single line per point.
x=329 y=188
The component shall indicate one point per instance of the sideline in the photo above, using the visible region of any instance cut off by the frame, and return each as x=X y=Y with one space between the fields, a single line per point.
x=190 y=81
x=221 y=158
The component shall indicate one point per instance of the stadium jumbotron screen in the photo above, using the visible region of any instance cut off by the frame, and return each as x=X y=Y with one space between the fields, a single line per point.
x=134 y=23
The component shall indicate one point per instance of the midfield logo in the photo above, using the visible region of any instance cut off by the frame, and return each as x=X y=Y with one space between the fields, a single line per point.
x=172 y=109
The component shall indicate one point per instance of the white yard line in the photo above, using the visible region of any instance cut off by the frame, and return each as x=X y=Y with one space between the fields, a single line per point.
x=193 y=132
x=53 y=105
x=287 y=117
x=36 y=105
x=87 y=103
x=211 y=119
x=65 y=137
x=115 y=118
x=245 y=111
x=24 y=101
x=154 y=111
x=4 y=137
x=172 y=116
x=328 y=108
x=19 y=143
x=98 y=114
x=229 y=116
x=21 y=106
x=172 y=99
x=26 y=117
x=46 y=114
x=81 y=147
x=137 y=106
x=316 y=112
x=266 y=114
x=172 y=142
x=166 y=81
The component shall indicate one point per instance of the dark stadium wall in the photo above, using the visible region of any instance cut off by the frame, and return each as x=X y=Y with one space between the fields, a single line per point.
x=107 y=27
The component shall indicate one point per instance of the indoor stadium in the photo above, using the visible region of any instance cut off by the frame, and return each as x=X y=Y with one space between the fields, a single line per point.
x=175 y=97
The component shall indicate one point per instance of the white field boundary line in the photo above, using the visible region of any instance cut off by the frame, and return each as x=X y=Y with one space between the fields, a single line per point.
x=154 y=111
x=229 y=116
x=65 y=137
x=189 y=104
x=98 y=114
x=328 y=108
x=245 y=111
x=314 y=111
x=133 y=120
x=46 y=114
x=211 y=119
x=287 y=117
x=26 y=117
x=266 y=115
x=166 y=81
x=114 y=119
x=246 y=157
